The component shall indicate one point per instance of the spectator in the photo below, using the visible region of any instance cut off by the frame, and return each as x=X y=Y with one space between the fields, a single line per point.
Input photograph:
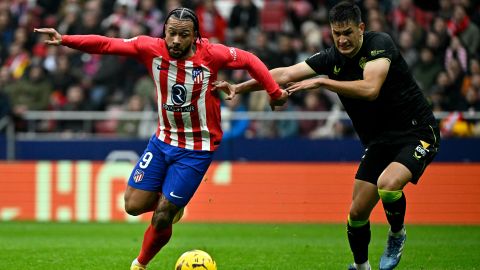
x=120 y=20
x=6 y=33
x=75 y=101
x=315 y=101
x=426 y=70
x=5 y=106
x=454 y=98
x=32 y=92
x=286 y=128
x=237 y=127
x=151 y=16
x=461 y=26
x=442 y=86
x=407 y=49
x=406 y=10
x=299 y=12
x=438 y=37
x=130 y=128
x=212 y=24
x=472 y=95
x=457 y=51
x=244 y=16
x=17 y=60
x=104 y=80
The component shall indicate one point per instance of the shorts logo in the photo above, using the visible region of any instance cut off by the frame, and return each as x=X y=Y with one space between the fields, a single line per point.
x=175 y=196
x=138 y=175
x=421 y=150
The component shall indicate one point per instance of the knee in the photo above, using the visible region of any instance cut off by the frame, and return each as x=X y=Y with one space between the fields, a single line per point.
x=389 y=184
x=161 y=220
x=356 y=215
x=133 y=209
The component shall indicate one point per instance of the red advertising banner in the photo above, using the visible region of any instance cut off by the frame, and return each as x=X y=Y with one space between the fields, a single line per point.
x=232 y=192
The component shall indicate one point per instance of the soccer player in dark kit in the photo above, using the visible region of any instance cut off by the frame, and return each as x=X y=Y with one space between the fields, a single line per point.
x=389 y=113
x=184 y=68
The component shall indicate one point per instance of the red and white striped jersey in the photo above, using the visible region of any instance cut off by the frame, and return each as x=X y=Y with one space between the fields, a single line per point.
x=188 y=111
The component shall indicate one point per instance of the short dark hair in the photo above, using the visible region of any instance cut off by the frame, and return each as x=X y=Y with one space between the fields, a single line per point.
x=344 y=12
x=183 y=13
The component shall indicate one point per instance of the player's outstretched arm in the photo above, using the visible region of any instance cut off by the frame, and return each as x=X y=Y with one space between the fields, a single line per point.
x=229 y=89
x=282 y=76
x=54 y=38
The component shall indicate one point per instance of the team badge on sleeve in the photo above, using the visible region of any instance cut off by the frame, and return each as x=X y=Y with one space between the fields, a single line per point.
x=197 y=75
x=138 y=175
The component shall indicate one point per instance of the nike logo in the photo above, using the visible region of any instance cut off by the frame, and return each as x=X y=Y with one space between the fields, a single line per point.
x=159 y=67
x=175 y=196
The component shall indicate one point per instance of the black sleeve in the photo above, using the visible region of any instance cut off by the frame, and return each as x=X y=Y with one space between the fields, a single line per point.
x=321 y=62
x=382 y=46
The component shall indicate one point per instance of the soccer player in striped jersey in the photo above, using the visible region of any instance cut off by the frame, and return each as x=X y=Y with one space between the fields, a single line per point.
x=184 y=68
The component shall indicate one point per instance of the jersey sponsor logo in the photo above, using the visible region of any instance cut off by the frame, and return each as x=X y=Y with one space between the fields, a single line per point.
x=233 y=52
x=197 y=75
x=130 y=39
x=173 y=108
x=376 y=52
x=336 y=70
x=138 y=175
x=175 y=196
x=362 y=62
x=179 y=94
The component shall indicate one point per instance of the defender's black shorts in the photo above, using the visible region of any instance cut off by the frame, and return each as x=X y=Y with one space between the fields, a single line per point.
x=415 y=152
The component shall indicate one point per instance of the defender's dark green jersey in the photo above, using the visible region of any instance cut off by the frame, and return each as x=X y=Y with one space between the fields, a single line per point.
x=400 y=107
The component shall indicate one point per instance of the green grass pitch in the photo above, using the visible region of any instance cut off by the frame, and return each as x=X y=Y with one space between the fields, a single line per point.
x=25 y=245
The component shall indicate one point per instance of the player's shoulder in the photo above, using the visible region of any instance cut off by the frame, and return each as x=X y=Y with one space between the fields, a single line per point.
x=373 y=38
x=326 y=54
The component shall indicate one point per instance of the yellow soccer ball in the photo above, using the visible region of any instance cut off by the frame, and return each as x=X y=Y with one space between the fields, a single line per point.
x=195 y=260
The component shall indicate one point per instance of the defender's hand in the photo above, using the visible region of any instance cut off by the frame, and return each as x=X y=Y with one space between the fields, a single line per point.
x=226 y=87
x=54 y=37
x=304 y=85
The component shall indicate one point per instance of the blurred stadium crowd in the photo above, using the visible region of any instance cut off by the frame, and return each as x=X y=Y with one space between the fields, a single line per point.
x=440 y=41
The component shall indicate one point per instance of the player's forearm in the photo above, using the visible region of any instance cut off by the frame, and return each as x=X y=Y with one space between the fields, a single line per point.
x=261 y=74
x=360 y=89
x=278 y=74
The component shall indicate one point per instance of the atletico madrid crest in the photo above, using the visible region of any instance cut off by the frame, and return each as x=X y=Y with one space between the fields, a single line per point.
x=138 y=175
x=197 y=74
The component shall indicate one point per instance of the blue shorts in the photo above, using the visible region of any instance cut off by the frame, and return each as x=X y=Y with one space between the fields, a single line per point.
x=175 y=171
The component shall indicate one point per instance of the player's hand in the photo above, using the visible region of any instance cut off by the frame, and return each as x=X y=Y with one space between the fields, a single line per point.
x=226 y=87
x=304 y=85
x=54 y=38
x=279 y=101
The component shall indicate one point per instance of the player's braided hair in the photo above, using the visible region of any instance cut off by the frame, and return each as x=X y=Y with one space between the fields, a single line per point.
x=184 y=14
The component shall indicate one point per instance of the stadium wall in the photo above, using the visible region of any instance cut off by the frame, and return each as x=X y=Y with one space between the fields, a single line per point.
x=239 y=149
x=312 y=192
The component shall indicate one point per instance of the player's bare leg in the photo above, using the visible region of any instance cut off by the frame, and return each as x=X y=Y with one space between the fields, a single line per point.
x=159 y=231
x=365 y=197
x=390 y=188
x=139 y=201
